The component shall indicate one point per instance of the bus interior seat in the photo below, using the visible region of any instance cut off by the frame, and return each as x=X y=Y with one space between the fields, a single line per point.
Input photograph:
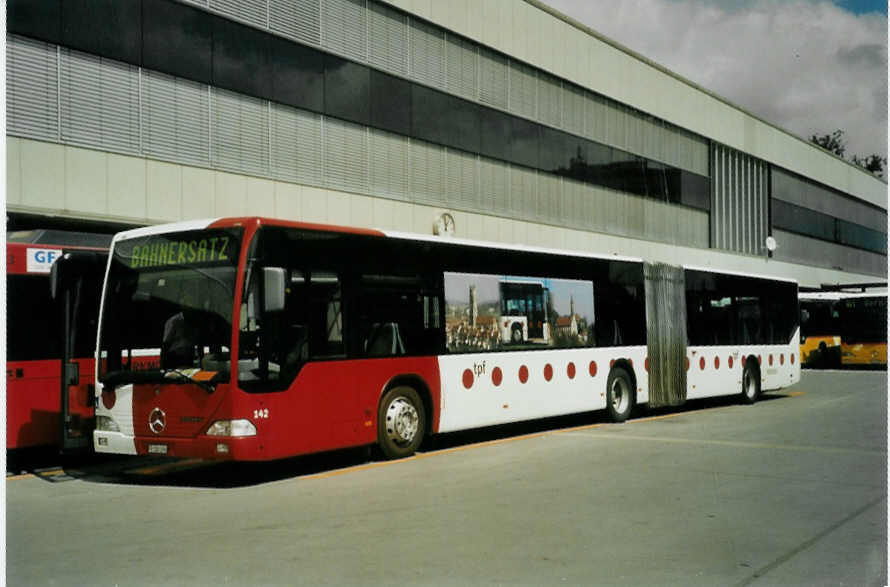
x=384 y=340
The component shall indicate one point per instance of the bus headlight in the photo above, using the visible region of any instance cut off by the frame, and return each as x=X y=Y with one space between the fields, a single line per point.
x=232 y=428
x=106 y=424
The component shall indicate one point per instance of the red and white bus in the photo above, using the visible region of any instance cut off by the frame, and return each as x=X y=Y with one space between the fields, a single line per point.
x=281 y=338
x=51 y=338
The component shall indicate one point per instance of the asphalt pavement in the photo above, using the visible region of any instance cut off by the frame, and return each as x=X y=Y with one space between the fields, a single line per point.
x=789 y=491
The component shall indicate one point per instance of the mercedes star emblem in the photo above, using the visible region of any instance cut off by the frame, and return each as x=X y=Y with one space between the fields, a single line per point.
x=157 y=420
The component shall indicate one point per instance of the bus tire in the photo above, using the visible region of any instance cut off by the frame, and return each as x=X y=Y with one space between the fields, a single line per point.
x=620 y=396
x=401 y=422
x=750 y=381
x=516 y=333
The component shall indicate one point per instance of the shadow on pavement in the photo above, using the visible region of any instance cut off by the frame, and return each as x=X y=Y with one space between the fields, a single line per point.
x=165 y=471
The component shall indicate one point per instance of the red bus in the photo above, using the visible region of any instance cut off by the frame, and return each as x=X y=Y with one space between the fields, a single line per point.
x=277 y=338
x=51 y=338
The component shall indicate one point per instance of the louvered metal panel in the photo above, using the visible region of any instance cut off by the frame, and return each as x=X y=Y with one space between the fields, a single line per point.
x=296 y=145
x=297 y=19
x=549 y=100
x=740 y=192
x=389 y=165
x=523 y=185
x=204 y=3
x=388 y=40
x=461 y=67
x=616 y=125
x=549 y=198
x=32 y=88
x=462 y=181
x=492 y=78
x=427 y=173
x=573 y=109
x=523 y=90
x=595 y=117
x=239 y=132
x=345 y=155
x=99 y=102
x=344 y=28
x=175 y=118
x=427 y=54
x=634 y=133
x=255 y=12
x=494 y=194
x=576 y=205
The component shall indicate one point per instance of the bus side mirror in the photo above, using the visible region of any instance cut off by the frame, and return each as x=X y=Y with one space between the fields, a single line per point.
x=804 y=316
x=273 y=288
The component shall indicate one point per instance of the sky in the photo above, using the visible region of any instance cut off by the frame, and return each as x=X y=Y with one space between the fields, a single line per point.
x=807 y=66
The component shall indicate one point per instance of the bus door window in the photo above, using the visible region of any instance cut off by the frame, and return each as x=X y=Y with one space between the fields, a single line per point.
x=276 y=344
x=325 y=315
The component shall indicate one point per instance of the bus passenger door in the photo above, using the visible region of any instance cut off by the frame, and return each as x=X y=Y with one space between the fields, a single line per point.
x=76 y=286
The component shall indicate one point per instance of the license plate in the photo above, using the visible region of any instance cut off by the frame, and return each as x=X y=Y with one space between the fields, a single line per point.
x=157 y=449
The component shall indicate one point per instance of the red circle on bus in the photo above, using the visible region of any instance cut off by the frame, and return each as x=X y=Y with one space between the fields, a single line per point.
x=701 y=363
x=570 y=370
x=631 y=362
x=548 y=372
x=716 y=362
x=592 y=368
x=108 y=399
x=782 y=359
x=771 y=360
x=646 y=364
x=468 y=378
x=792 y=358
x=496 y=376
x=523 y=374
x=744 y=358
x=687 y=363
x=759 y=360
x=730 y=361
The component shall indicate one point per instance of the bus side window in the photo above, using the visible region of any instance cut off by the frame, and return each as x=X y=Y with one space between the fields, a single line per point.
x=398 y=315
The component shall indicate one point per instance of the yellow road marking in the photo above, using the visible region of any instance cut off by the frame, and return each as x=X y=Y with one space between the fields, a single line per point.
x=735 y=443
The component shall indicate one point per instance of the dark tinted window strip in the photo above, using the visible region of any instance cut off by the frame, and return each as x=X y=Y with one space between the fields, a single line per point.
x=188 y=42
x=806 y=222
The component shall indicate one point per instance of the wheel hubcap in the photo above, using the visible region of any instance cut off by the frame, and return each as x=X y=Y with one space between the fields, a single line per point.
x=401 y=421
x=750 y=385
x=619 y=396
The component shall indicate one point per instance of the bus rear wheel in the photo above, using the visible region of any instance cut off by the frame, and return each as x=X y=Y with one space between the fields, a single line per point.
x=401 y=423
x=750 y=382
x=620 y=396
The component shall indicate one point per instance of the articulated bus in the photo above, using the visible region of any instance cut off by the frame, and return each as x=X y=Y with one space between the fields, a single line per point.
x=51 y=337
x=843 y=329
x=275 y=339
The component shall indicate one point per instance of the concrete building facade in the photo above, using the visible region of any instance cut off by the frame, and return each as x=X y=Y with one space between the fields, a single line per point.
x=524 y=126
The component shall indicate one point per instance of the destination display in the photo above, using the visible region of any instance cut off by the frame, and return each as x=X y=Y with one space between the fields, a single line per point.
x=206 y=247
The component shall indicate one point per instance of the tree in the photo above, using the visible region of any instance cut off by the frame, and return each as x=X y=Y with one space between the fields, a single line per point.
x=834 y=142
x=873 y=163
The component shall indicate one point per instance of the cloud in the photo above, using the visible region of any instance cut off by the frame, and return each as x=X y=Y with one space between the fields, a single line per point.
x=807 y=66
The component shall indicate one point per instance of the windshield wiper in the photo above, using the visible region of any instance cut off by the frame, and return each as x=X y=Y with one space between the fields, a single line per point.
x=206 y=386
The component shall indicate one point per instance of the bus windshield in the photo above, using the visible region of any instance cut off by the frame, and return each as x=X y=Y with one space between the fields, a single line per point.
x=168 y=307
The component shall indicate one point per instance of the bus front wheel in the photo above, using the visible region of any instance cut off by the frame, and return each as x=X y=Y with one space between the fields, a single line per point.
x=620 y=396
x=750 y=382
x=401 y=423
